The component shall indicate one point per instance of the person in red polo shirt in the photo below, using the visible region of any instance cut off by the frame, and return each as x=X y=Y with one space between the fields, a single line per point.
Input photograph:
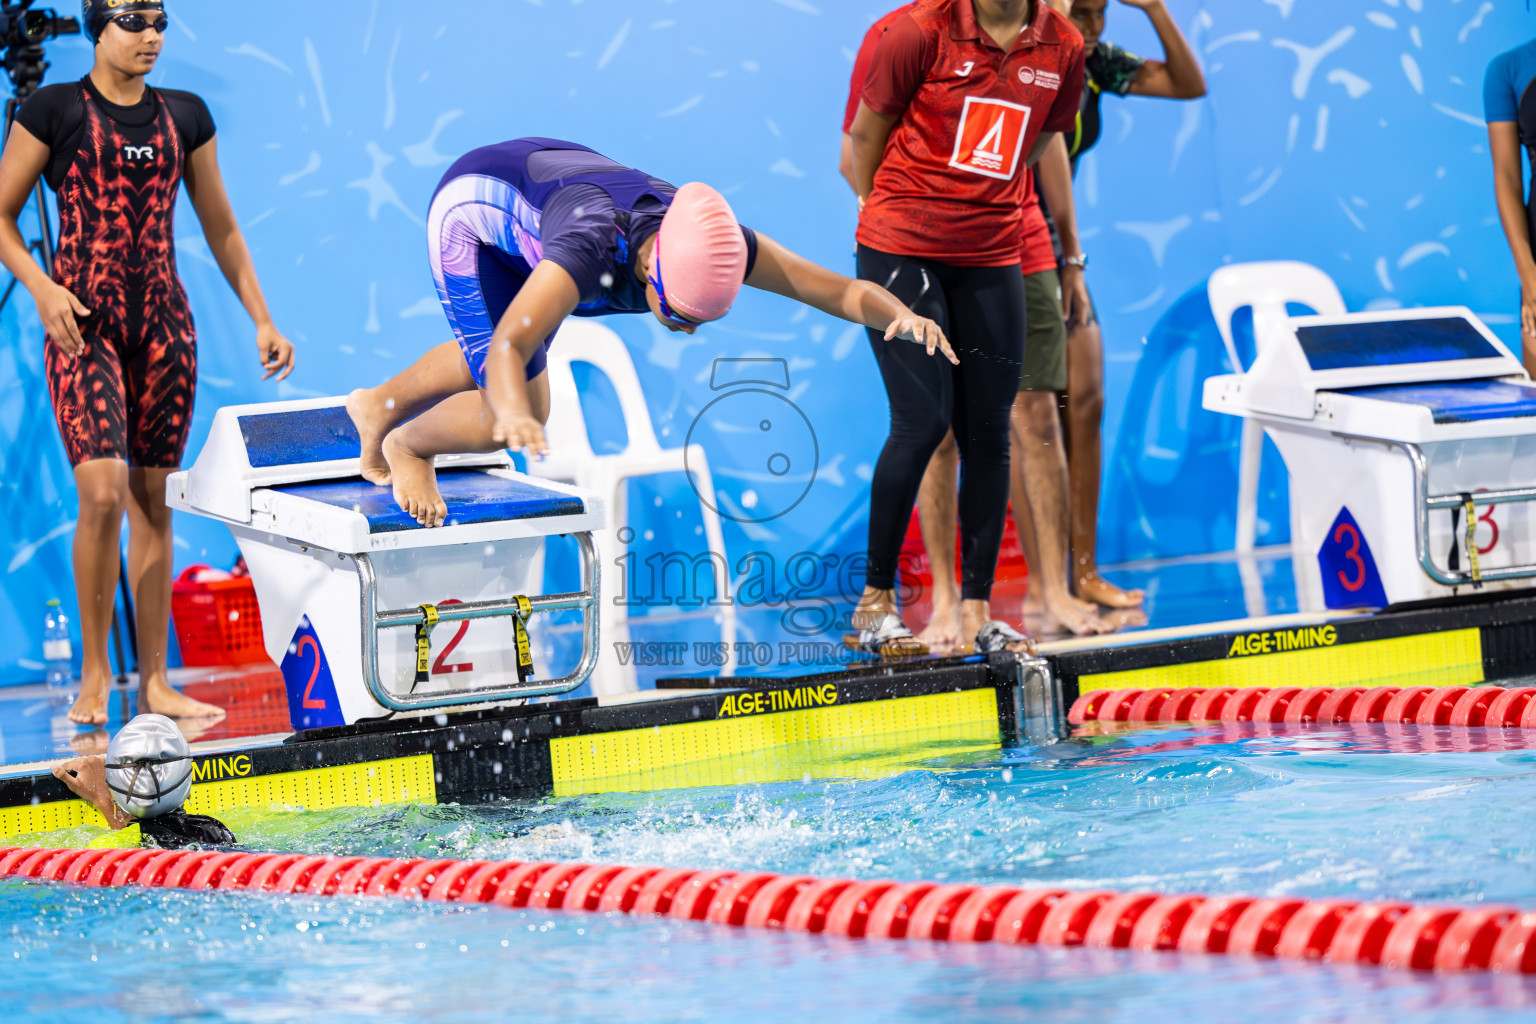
x=1039 y=469
x=962 y=98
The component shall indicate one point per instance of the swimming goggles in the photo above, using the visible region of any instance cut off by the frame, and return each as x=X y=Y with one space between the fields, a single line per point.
x=661 y=293
x=137 y=23
x=137 y=767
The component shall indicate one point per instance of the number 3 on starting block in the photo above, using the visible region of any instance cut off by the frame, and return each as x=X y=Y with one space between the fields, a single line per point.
x=1350 y=579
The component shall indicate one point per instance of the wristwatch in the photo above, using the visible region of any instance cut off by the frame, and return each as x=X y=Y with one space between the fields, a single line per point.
x=1080 y=261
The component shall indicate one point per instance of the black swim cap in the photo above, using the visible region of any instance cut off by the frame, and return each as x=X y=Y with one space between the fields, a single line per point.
x=94 y=14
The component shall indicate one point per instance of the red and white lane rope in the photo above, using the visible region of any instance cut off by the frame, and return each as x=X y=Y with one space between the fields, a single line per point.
x=1391 y=934
x=1322 y=705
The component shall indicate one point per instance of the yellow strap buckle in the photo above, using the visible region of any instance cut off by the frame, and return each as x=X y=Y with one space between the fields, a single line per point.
x=424 y=641
x=520 y=633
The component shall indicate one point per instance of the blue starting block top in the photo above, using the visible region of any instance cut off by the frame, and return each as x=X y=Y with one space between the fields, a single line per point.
x=1362 y=344
x=299 y=437
x=1459 y=402
x=473 y=496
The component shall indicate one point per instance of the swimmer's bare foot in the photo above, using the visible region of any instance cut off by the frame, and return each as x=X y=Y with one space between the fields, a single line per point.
x=91 y=706
x=1062 y=614
x=156 y=696
x=1093 y=587
x=86 y=777
x=370 y=415
x=415 y=483
x=942 y=634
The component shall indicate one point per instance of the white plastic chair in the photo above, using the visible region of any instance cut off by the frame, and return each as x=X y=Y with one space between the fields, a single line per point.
x=572 y=460
x=1267 y=287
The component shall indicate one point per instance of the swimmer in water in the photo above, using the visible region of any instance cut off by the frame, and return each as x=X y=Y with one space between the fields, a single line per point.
x=525 y=233
x=143 y=780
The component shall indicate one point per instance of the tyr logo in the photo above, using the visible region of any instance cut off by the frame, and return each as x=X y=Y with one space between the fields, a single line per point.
x=139 y=152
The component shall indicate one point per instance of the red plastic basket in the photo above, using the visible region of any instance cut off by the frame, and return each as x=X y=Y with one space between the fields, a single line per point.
x=218 y=622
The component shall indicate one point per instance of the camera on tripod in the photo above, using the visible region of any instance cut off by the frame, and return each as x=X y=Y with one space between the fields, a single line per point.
x=23 y=31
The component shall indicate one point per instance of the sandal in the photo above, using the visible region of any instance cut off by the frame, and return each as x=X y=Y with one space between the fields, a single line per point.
x=887 y=637
x=995 y=636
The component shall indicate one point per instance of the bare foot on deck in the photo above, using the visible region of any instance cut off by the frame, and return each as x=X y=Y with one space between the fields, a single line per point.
x=1063 y=615
x=415 y=483
x=1093 y=587
x=942 y=634
x=86 y=777
x=370 y=415
x=91 y=706
x=157 y=697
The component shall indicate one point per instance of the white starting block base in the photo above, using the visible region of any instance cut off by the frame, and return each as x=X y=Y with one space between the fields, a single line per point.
x=1388 y=422
x=340 y=571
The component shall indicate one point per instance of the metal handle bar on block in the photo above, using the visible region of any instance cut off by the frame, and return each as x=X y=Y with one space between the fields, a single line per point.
x=1428 y=503
x=375 y=620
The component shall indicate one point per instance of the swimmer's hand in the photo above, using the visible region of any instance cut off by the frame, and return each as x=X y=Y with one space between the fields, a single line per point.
x=86 y=777
x=521 y=434
x=276 y=352
x=911 y=327
x=59 y=310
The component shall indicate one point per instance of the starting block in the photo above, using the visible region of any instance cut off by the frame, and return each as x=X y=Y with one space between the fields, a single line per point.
x=1410 y=439
x=367 y=612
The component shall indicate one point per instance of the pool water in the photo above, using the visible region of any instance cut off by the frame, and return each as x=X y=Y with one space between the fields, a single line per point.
x=1323 y=812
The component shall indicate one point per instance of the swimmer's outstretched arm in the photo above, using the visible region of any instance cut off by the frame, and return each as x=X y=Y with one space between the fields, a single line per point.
x=540 y=306
x=861 y=302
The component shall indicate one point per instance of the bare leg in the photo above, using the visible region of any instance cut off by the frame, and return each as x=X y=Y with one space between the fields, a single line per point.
x=938 y=516
x=102 y=485
x=1085 y=413
x=1040 y=501
x=150 y=555
x=376 y=411
x=457 y=425
x=1528 y=350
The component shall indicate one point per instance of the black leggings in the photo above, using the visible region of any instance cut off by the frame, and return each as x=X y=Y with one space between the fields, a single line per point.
x=982 y=311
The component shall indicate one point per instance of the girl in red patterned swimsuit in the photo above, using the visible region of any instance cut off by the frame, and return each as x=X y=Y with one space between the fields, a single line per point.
x=121 y=351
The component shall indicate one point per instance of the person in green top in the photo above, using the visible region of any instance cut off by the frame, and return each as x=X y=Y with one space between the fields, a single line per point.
x=1110 y=69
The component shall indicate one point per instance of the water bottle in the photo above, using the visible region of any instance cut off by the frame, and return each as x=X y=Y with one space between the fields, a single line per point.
x=57 y=652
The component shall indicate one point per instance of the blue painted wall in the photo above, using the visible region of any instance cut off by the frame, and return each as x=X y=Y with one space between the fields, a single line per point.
x=1347 y=135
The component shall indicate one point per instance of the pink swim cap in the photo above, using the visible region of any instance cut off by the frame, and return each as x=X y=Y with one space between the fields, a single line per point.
x=701 y=255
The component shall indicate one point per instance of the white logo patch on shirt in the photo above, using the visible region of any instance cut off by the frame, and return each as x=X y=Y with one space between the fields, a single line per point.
x=1027 y=76
x=990 y=137
x=139 y=152
x=1044 y=79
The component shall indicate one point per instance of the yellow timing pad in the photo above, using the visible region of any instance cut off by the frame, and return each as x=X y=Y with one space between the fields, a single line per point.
x=1453 y=658
x=870 y=739
x=400 y=780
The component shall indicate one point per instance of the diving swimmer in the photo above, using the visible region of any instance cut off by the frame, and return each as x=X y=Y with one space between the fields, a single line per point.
x=523 y=234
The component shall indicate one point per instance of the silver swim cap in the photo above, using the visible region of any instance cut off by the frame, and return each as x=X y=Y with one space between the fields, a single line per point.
x=149 y=767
